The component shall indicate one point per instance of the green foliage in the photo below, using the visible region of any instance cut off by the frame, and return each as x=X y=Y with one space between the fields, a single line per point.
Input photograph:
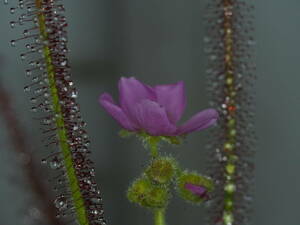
x=161 y=170
x=144 y=193
x=196 y=179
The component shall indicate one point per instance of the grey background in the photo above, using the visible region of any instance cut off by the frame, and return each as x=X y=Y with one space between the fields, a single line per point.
x=161 y=42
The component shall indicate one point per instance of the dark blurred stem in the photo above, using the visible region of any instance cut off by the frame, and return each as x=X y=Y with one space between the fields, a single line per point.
x=18 y=139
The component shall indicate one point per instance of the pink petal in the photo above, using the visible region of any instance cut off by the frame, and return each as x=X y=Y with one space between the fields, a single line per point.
x=153 y=119
x=115 y=111
x=200 y=121
x=172 y=98
x=132 y=92
x=196 y=189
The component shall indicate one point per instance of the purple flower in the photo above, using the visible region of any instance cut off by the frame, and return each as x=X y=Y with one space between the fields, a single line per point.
x=155 y=110
x=197 y=190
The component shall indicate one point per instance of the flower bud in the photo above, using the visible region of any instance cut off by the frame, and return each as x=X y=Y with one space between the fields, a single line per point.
x=161 y=170
x=194 y=187
x=144 y=193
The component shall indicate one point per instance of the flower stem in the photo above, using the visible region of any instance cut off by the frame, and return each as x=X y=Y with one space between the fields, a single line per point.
x=159 y=217
x=153 y=143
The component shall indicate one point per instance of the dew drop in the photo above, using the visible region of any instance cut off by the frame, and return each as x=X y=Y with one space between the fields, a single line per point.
x=26 y=32
x=38 y=91
x=13 y=43
x=28 y=73
x=60 y=202
x=33 y=100
x=35 y=79
x=32 y=63
x=21 y=21
x=5 y=2
x=23 y=56
x=63 y=63
x=34 y=109
x=55 y=164
x=87 y=143
x=12 y=10
x=95 y=212
x=12 y=24
x=44 y=161
x=96 y=200
x=27 y=88
x=47 y=121
x=74 y=94
x=32 y=49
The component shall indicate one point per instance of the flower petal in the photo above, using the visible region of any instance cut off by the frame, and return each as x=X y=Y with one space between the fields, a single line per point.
x=196 y=189
x=132 y=92
x=153 y=119
x=200 y=121
x=115 y=111
x=172 y=98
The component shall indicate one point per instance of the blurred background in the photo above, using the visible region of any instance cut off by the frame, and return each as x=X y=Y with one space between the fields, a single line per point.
x=162 y=42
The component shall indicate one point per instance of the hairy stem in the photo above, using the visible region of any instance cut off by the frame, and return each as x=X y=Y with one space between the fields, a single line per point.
x=78 y=202
x=153 y=143
x=159 y=217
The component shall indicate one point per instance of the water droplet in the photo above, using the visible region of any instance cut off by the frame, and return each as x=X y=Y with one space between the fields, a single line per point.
x=74 y=94
x=33 y=100
x=28 y=73
x=23 y=56
x=32 y=49
x=5 y=2
x=12 y=24
x=60 y=202
x=34 y=109
x=32 y=63
x=27 y=88
x=26 y=32
x=95 y=212
x=47 y=121
x=13 y=43
x=38 y=91
x=63 y=63
x=96 y=200
x=35 y=79
x=87 y=143
x=12 y=10
x=29 y=9
x=55 y=163
x=44 y=161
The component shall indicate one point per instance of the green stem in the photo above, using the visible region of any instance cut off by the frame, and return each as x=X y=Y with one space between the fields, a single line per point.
x=159 y=217
x=153 y=143
x=78 y=201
